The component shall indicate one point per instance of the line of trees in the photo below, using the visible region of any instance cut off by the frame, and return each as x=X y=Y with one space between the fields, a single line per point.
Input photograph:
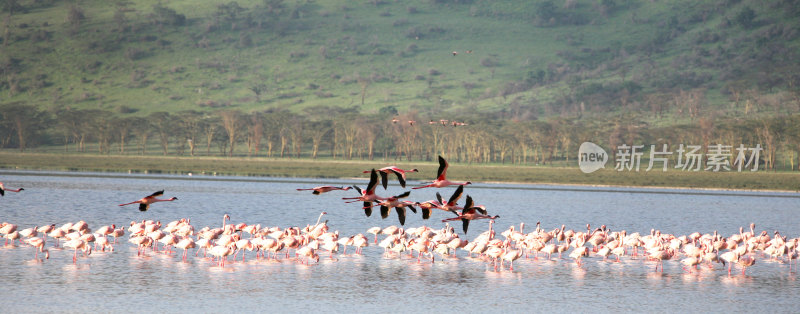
x=344 y=133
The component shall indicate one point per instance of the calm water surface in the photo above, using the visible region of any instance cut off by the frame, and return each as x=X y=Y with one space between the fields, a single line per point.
x=120 y=281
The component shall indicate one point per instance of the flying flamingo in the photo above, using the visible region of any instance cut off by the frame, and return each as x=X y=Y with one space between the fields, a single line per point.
x=367 y=195
x=451 y=203
x=470 y=213
x=427 y=206
x=145 y=202
x=325 y=188
x=3 y=189
x=441 y=177
x=398 y=205
x=400 y=173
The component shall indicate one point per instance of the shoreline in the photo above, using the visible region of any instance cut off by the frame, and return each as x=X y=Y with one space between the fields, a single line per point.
x=762 y=181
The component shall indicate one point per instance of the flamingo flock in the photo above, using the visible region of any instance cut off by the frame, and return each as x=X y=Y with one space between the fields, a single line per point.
x=231 y=242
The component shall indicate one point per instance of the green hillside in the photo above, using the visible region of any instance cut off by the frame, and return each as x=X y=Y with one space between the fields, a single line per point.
x=542 y=57
x=528 y=80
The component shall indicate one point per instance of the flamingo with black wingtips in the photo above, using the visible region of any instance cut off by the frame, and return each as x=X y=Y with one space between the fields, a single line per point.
x=470 y=212
x=400 y=173
x=451 y=205
x=398 y=205
x=325 y=188
x=441 y=177
x=427 y=206
x=145 y=202
x=367 y=195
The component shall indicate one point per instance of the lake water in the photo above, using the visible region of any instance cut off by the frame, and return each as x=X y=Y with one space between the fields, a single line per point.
x=120 y=281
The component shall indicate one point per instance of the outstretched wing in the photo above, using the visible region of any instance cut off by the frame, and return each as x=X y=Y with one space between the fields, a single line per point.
x=158 y=193
x=442 y=174
x=385 y=180
x=384 y=212
x=426 y=213
x=456 y=195
x=143 y=207
x=406 y=194
x=413 y=209
x=465 y=224
x=401 y=214
x=368 y=208
x=373 y=181
x=400 y=177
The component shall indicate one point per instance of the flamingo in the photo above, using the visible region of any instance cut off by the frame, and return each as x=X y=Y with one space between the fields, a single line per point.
x=375 y=231
x=427 y=206
x=145 y=202
x=470 y=213
x=222 y=253
x=398 y=205
x=451 y=203
x=746 y=261
x=510 y=256
x=401 y=175
x=441 y=177
x=3 y=189
x=325 y=188
x=309 y=254
x=578 y=253
x=38 y=243
x=367 y=195
x=78 y=244
x=185 y=244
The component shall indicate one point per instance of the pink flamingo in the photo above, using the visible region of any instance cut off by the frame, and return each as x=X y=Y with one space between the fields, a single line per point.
x=38 y=243
x=398 y=205
x=470 y=213
x=145 y=202
x=367 y=195
x=401 y=175
x=325 y=188
x=186 y=244
x=3 y=189
x=441 y=178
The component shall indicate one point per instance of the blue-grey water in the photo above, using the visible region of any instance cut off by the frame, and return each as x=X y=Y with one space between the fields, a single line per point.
x=120 y=281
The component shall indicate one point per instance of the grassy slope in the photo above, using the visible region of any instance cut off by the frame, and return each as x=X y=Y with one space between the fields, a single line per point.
x=351 y=32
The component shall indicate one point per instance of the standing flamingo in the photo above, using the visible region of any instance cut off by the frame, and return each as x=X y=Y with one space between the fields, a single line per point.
x=145 y=202
x=3 y=189
x=38 y=243
x=325 y=188
x=441 y=177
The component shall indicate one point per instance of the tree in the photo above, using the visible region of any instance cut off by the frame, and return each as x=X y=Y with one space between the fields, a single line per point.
x=123 y=128
x=232 y=121
x=210 y=125
x=746 y=17
x=258 y=89
x=191 y=126
x=162 y=123
x=255 y=132
x=318 y=130
x=26 y=121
